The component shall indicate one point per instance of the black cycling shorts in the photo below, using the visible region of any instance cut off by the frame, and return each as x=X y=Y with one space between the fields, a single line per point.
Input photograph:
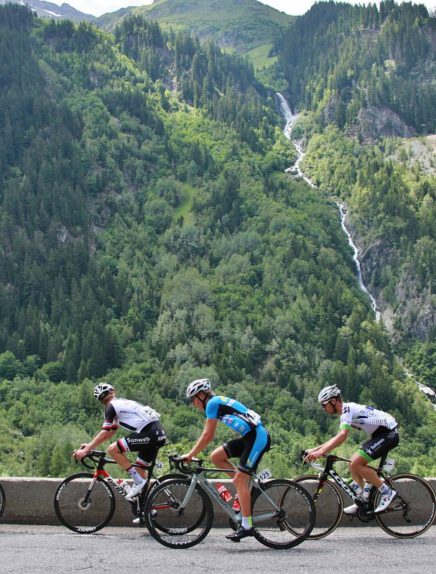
x=249 y=448
x=146 y=443
x=382 y=441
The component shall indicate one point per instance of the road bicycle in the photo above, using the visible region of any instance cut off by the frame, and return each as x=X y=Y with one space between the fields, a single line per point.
x=410 y=514
x=2 y=500
x=179 y=512
x=85 y=502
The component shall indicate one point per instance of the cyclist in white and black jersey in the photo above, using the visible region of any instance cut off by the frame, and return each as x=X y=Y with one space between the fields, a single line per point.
x=382 y=428
x=147 y=434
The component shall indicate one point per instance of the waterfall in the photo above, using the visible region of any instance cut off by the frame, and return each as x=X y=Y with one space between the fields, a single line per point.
x=296 y=170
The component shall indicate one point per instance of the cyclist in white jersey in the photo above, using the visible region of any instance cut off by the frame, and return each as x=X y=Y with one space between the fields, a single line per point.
x=147 y=434
x=382 y=428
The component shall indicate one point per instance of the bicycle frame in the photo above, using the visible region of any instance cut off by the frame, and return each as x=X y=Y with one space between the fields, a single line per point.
x=102 y=473
x=199 y=478
x=328 y=471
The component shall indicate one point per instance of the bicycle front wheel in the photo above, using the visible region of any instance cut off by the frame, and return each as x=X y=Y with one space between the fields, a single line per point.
x=328 y=505
x=175 y=520
x=2 y=500
x=283 y=513
x=84 y=503
x=412 y=511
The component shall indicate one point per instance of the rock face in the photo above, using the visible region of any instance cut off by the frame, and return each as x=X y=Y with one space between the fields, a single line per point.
x=376 y=122
x=414 y=311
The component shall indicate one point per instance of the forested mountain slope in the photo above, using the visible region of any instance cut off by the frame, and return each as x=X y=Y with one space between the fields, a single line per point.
x=149 y=235
x=366 y=68
x=243 y=26
x=365 y=78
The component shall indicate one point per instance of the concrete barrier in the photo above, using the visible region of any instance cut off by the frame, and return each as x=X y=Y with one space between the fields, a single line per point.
x=30 y=501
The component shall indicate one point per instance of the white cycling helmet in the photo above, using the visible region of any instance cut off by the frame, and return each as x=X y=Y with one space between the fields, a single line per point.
x=101 y=390
x=197 y=386
x=328 y=393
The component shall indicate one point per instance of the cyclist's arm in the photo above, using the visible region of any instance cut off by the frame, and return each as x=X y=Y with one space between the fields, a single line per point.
x=205 y=438
x=331 y=444
x=102 y=436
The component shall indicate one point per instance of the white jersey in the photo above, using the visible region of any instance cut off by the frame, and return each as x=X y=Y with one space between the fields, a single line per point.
x=128 y=414
x=364 y=418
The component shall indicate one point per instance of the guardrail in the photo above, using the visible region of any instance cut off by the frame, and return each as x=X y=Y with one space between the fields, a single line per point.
x=30 y=501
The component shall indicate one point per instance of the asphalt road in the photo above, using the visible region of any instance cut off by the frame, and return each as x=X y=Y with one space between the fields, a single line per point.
x=54 y=550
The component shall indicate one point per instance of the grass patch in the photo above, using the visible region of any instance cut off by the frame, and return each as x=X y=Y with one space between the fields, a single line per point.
x=259 y=56
x=185 y=208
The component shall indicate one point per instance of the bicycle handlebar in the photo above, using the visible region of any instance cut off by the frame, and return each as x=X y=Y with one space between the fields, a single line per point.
x=327 y=458
x=183 y=466
x=95 y=456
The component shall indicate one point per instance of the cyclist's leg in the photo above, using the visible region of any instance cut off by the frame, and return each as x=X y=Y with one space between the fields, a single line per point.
x=257 y=442
x=116 y=450
x=220 y=458
x=377 y=446
x=361 y=472
x=146 y=443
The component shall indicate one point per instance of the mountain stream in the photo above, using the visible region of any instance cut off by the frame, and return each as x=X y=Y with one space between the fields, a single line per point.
x=296 y=171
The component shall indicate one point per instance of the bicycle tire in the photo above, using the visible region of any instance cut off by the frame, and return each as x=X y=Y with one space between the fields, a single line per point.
x=412 y=511
x=2 y=500
x=69 y=503
x=174 y=529
x=328 y=504
x=296 y=517
x=159 y=481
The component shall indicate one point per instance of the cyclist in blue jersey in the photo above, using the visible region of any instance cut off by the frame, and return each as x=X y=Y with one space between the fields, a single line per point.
x=253 y=442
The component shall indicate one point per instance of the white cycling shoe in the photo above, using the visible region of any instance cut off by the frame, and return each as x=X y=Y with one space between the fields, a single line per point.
x=138 y=521
x=349 y=510
x=385 y=501
x=135 y=490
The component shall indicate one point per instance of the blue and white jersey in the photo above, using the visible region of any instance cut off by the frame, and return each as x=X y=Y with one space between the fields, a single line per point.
x=233 y=414
x=365 y=418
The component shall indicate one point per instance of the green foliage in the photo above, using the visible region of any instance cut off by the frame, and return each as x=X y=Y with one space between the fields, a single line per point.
x=151 y=237
x=392 y=205
x=240 y=26
x=339 y=58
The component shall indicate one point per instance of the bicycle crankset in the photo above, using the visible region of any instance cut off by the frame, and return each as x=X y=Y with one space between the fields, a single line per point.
x=365 y=515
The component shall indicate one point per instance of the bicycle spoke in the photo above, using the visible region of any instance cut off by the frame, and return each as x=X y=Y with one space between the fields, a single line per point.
x=412 y=512
x=328 y=505
x=285 y=516
x=175 y=520
x=83 y=504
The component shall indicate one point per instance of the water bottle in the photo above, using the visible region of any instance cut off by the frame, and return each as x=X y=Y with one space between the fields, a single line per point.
x=389 y=465
x=124 y=485
x=225 y=494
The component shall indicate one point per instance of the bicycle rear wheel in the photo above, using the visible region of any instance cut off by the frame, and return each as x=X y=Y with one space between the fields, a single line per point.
x=172 y=525
x=84 y=503
x=412 y=511
x=283 y=513
x=328 y=505
x=2 y=500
